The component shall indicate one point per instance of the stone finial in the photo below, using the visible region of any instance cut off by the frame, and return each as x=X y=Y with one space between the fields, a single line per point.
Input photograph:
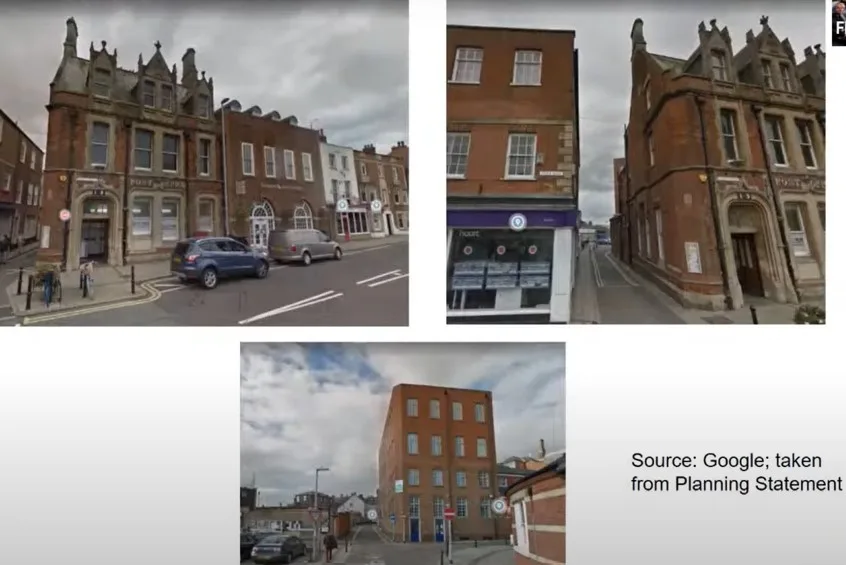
x=140 y=59
x=702 y=27
x=103 y=44
x=637 y=33
x=809 y=52
x=764 y=21
x=158 y=45
x=114 y=52
x=173 y=70
x=203 y=74
x=713 y=23
x=750 y=37
x=818 y=49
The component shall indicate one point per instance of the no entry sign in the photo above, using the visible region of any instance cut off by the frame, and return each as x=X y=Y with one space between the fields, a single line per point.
x=533 y=249
x=64 y=215
x=449 y=513
x=500 y=250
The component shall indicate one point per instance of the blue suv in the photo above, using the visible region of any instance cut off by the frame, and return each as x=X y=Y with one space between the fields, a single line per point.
x=208 y=259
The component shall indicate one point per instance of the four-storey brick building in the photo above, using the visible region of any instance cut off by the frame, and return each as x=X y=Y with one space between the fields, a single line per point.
x=21 y=161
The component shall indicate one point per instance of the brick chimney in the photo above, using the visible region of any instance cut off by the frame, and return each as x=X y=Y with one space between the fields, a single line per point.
x=370 y=149
x=321 y=135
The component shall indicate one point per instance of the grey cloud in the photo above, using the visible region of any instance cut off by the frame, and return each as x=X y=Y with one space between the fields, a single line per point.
x=342 y=68
x=602 y=37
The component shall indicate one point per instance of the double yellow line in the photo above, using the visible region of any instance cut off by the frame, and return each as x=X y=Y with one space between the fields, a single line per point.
x=151 y=291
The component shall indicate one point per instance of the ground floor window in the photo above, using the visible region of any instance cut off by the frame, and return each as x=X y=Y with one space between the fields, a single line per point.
x=205 y=215
x=352 y=223
x=500 y=269
x=170 y=219
x=142 y=217
x=796 y=230
x=303 y=219
x=401 y=221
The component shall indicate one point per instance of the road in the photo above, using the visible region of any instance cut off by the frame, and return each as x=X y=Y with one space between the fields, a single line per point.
x=369 y=287
x=370 y=549
x=621 y=299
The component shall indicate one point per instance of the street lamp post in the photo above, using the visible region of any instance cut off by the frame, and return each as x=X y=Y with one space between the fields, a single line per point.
x=315 y=551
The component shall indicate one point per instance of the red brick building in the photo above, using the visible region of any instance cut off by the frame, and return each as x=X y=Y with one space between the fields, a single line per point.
x=537 y=507
x=439 y=444
x=273 y=175
x=725 y=153
x=512 y=173
x=131 y=155
x=383 y=178
x=21 y=162
x=619 y=232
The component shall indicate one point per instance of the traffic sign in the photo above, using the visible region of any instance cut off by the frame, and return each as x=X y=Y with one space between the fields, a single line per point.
x=342 y=205
x=468 y=250
x=393 y=518
x=64 y=215
x=499 y=506
x=314 y=513
x=376 y=205
x=372 y=515
x=449 y=513
x=500 y=250
x=533 y=249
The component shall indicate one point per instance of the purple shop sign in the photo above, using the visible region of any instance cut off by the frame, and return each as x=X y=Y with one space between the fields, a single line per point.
x=499 y=218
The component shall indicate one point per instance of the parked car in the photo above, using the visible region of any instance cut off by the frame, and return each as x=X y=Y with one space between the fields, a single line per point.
x=208 y=259
x=303 y=246
x=279 y=548
x=247 y=544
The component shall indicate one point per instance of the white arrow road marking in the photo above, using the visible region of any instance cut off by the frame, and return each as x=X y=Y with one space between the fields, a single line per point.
x=379 y=276
x=392 y=279
x=323 y=297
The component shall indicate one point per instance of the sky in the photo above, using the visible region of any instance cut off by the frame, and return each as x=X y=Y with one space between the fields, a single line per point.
x=324 y=405
x=602 y=37
x=343 y=68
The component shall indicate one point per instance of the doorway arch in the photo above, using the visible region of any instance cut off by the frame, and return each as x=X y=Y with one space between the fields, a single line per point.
x=262 y=222
x=303 y=218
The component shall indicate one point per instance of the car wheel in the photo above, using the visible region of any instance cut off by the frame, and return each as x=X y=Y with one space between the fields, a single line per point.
x=261 y=270
x=209 y=278
x=306 y=258
x=338 y=254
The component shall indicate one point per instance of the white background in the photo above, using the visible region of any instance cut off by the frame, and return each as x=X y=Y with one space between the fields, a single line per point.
x=121 y=446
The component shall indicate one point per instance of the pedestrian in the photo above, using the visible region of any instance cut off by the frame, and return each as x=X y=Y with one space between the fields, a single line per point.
x=331 y=544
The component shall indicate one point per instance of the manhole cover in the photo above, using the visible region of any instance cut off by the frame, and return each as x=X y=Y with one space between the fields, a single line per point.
x=717 y=320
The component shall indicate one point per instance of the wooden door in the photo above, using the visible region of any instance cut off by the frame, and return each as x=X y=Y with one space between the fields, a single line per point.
x=746 y=261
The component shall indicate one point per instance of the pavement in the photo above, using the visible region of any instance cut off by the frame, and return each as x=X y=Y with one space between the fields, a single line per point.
x=9 y=278
x=368 y=287
x=608 y=291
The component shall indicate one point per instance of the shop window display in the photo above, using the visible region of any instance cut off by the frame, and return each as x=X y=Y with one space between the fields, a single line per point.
x=486 y=263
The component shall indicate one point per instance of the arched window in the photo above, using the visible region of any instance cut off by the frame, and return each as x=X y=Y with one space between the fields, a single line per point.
x=302 y=217
x=262 y=209
x=262 y=222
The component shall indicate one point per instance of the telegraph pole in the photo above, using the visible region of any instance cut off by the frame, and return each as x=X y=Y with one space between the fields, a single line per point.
x=315 y=550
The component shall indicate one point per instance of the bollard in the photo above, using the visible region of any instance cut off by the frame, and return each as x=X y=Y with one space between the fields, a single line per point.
x=82 y=279
x=29 y=293
x=20 y=280
x=475 y=543
x=132 y=278
x=84 y=286
x=754 y=312
x=442 y=557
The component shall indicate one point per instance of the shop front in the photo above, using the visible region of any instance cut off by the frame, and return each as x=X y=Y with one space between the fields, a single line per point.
x=506 y=266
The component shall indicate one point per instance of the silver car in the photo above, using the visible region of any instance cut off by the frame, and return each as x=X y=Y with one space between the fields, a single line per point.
x=302 y=246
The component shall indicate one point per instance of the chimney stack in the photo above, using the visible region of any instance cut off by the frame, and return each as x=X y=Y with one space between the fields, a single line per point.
x=321 y=135
x=542 y=450
x=189 y=67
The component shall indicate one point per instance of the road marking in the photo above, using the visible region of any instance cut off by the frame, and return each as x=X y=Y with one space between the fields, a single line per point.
x=7 y=318
x=596 y=275
x=620 y=270
x=174 y=287
x=155 y=294
x=169 y=285
x=389 y=273
x=396 y=278
x=323 y=297
x=369 y=249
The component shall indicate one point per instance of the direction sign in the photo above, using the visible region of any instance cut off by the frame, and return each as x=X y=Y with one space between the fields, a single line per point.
x=314 y=513
x=64 y=215
x=517 y=222
x=393 y=518
x=376 y=205
x=499 y=506
x=372 y=515
x=449 y=513
x=342 y=205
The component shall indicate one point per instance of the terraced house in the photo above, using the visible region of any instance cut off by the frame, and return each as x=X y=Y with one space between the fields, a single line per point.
x=130 y=155
x=21 y=161
x=722 y=197
x=383 y=184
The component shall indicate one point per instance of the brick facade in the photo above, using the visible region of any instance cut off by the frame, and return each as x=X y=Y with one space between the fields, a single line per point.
x=384 y=178
x=714 y=217
x=395 y=462
x=272 y=167
x=492 y=108
x=131 y=155
x=21 y=163
x=537 y=506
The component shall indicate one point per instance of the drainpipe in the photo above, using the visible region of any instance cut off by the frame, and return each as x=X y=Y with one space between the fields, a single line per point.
x=776 y=201
x=127 y=162
x=69 y=189
x=185 y=214
x=821 y=120
x=223 y=159
x=715 y=209
x=628 y=211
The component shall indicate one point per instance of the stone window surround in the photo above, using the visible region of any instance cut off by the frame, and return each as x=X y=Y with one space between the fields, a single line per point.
x=790 y=133
x=776 y=62
x=149 y=243
x=808 y=207
x=741 y=132
x=112 y=122
x=158 y=144
x=212 y=156
x=216 y=212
